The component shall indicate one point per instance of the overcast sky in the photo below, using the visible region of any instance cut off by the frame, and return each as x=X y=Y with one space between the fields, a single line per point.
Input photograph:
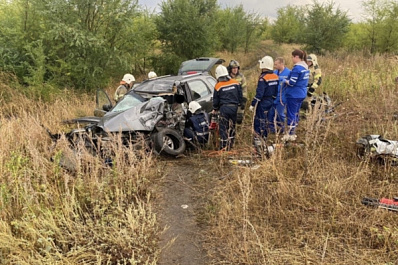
x=268 y=8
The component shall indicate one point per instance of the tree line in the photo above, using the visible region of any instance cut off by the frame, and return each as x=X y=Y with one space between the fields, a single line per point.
x=323 y=28
x=83 y=43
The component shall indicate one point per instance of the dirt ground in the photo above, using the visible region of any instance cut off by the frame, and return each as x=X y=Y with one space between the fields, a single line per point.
x=181 y=241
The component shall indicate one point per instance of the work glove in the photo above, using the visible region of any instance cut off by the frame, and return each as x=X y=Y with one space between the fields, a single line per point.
x=239 y=118
x=242 y=106
x=251 y=108
x=310 y=91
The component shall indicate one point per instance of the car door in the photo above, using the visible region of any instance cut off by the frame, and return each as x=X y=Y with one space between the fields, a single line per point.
x=201 y=93
x=103 y=103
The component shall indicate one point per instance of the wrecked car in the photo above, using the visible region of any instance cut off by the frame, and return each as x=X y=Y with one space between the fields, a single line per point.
x=375 y=147
x=154 y=112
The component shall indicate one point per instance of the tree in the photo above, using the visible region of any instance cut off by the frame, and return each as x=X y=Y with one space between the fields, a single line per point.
x=231 y=28
x=76 y=43
x=375 y=11
x=289 y=24
x=325 y=27
x=186 y=30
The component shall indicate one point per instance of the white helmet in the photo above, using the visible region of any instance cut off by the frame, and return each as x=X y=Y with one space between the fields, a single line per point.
x=152 y=74
x=266 y=63
x=194 y=106
x=128 y=78
x=221 y=70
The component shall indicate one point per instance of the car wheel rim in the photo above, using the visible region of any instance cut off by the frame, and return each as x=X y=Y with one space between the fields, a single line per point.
x=167 y=141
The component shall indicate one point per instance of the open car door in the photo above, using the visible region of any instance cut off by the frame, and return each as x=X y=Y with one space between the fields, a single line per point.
x=103 y=103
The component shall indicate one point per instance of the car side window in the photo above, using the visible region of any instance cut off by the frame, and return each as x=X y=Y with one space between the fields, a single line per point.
x=198 y=88
x=212 y=82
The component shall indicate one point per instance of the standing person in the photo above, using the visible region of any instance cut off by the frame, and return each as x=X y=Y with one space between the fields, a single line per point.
x=234 y=73
x=314 y=81
x=276 y=114
x=296 y=91
x=226 y=99
x=267 y=89
x=197 y=124
x=125 y=85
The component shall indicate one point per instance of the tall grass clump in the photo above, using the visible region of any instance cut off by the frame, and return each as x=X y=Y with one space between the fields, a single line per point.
x=303 y=205
x=89 y=214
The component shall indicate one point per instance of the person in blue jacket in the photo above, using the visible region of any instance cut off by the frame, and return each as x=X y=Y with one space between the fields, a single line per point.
x=296 y=91
x=267 y=89
x=276 y=115
x=227 y=97
x=197 y=124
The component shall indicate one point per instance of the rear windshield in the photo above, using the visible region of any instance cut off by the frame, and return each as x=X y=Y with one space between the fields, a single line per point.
x=157 y=86
x=194 y=65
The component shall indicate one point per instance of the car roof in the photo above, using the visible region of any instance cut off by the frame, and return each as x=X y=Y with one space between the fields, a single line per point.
x=164 y=84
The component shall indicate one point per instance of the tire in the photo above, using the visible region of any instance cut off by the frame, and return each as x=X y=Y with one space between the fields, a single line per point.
x=169 y=142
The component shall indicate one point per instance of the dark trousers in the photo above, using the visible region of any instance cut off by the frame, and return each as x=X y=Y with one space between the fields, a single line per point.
x=261 y=119
x=228 y=115
x=276 y=115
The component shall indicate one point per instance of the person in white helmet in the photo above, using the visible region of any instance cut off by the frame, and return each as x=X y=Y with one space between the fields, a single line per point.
x=197 y=124
x=152 y=74
x=267 y=89
x=227 y=98
x=125 y=85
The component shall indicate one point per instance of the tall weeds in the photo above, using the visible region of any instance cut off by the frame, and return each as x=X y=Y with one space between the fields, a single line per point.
x=302 y=206
x=89 y=214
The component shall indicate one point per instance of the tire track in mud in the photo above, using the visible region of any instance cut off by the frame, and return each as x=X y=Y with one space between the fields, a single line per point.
x=181 y=241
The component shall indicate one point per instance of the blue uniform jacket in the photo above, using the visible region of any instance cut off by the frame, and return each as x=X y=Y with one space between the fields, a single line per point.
x=282 y=75
x=267 y=87
x=227 y=92
x=199 y=123
x=298 y=81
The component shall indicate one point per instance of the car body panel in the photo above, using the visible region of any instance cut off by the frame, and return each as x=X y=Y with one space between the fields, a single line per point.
x=141 y=117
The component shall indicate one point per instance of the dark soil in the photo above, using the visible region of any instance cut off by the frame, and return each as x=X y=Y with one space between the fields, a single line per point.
x=181 y=242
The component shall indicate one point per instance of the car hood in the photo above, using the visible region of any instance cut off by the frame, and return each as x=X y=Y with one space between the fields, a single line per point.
x=142 y=117
x=88 y=119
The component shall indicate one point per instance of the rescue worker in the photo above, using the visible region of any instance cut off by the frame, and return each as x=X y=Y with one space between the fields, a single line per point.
x=314 y=82
x=267 y=89
x=234 y=73
x=296 y=91
x=227 y=98
x=197 y=125
x=152 y=74
x=276 y=115
x=315 y=79
x=125 y=85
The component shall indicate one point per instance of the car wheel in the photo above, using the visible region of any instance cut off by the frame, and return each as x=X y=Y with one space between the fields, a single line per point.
x=169 y=142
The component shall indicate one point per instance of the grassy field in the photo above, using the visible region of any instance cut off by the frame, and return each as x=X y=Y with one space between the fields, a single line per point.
x=92 y=215
x=301 y=206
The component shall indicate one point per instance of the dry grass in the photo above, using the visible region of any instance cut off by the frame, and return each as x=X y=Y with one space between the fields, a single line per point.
x=302 y=206
x=93 y=214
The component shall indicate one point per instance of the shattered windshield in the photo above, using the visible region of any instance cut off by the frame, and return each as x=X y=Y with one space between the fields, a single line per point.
x=129 y=101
